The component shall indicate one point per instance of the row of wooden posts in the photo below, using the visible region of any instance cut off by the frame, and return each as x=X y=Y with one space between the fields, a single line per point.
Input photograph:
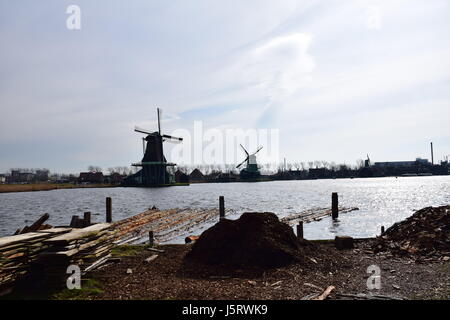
x=334 y=214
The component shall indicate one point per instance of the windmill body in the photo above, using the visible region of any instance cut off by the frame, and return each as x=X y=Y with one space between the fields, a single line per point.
x=154 y=164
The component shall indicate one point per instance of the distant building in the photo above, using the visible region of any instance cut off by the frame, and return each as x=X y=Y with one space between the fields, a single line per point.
x=91 y=177
x=196 y=176
x=42 y=175
x=18 y=176
x=418 y=161
x=2 y=178
x=114 y=178
x=181 y=177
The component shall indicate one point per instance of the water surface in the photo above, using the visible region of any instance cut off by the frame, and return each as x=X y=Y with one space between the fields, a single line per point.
x=382 y=201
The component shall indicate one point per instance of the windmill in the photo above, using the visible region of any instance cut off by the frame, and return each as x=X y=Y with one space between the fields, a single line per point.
x=154 y=164
x=251 y=170
x=367 y=162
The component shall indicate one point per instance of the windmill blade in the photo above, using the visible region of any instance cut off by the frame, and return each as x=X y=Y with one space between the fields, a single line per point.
x=237 y=167
x=244 y=150
x=259 y=149
x=140 y=130
x=171 y=138
x=159 y=112
x=143 y=145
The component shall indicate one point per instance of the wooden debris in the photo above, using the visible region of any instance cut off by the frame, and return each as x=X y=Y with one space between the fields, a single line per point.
x=151 y=258
x=310 y=215
x=97 y=263
x=325 y=294
x=363 y=296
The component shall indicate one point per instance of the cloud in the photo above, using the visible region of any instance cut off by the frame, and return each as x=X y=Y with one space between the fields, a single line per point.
x=301 y=67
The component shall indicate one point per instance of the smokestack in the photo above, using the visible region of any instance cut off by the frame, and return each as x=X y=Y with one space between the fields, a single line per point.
x=432 y=155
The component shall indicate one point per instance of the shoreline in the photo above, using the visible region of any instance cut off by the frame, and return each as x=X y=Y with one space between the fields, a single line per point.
x=12 y=188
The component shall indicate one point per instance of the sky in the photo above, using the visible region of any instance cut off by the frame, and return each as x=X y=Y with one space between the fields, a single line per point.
x=337 y=79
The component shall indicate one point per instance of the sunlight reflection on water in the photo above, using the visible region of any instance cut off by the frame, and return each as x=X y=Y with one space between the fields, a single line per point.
x=382 y=201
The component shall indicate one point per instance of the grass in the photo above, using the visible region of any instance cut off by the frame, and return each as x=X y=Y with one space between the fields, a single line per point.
x=128 y=250
x=89 y=289
x=4 y=188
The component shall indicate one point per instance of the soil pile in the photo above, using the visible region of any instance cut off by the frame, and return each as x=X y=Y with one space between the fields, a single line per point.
x=425 y=233
x=254 y=240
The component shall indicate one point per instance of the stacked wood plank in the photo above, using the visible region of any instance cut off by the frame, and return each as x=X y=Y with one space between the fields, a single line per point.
x=315 y=214
x=16 y=253
x=81 y=247
x=167 y=224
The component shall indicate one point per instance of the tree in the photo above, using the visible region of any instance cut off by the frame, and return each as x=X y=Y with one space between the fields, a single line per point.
x=94 y=169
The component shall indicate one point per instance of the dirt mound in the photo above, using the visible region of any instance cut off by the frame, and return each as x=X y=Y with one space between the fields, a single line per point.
x=425 y=233
x=254 y=240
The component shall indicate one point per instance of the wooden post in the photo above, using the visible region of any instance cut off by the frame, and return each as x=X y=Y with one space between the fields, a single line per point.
x=87 y=219
x=74 y=222
x=382 y=229
x=300 y=230
x=221 y=207
x=334 y=205
x=108 y=210
x=151 y=239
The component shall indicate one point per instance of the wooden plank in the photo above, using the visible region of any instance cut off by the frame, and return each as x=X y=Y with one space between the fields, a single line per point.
x=55 y=230
x=79 y=233
x=6 y=241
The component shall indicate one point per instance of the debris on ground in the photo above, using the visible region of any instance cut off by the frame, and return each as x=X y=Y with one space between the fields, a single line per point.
x=425 y=233
x=253 y=240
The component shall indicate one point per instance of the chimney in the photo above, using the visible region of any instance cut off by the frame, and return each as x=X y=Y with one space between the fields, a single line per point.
x=432 y=155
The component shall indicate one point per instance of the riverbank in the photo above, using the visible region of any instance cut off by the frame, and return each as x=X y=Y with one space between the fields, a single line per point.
x=8 y=188
x=410 y=260
x=167 y=278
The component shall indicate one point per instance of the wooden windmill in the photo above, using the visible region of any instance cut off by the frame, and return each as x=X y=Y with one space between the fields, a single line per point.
x=251 y=170
x=154 y=164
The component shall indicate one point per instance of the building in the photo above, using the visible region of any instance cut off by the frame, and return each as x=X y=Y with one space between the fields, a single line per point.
x=91 y=177
x=2 y=178
x=18 y=176
x=181 y=177
x=418 y=161
x=196 y=176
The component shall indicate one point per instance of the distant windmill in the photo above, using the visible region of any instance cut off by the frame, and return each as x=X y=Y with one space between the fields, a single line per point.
x=367 y=162
x=154 y=164
x=251 y=170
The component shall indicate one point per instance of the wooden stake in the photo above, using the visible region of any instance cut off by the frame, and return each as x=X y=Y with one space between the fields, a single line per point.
x=151 y=239
x=108 y=210
x=221 y=207
x=382 y=229
x=87 y=219
x=334 y=205
x=300 y=230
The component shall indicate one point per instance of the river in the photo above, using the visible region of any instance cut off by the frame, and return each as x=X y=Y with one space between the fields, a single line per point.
x=382 y=201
